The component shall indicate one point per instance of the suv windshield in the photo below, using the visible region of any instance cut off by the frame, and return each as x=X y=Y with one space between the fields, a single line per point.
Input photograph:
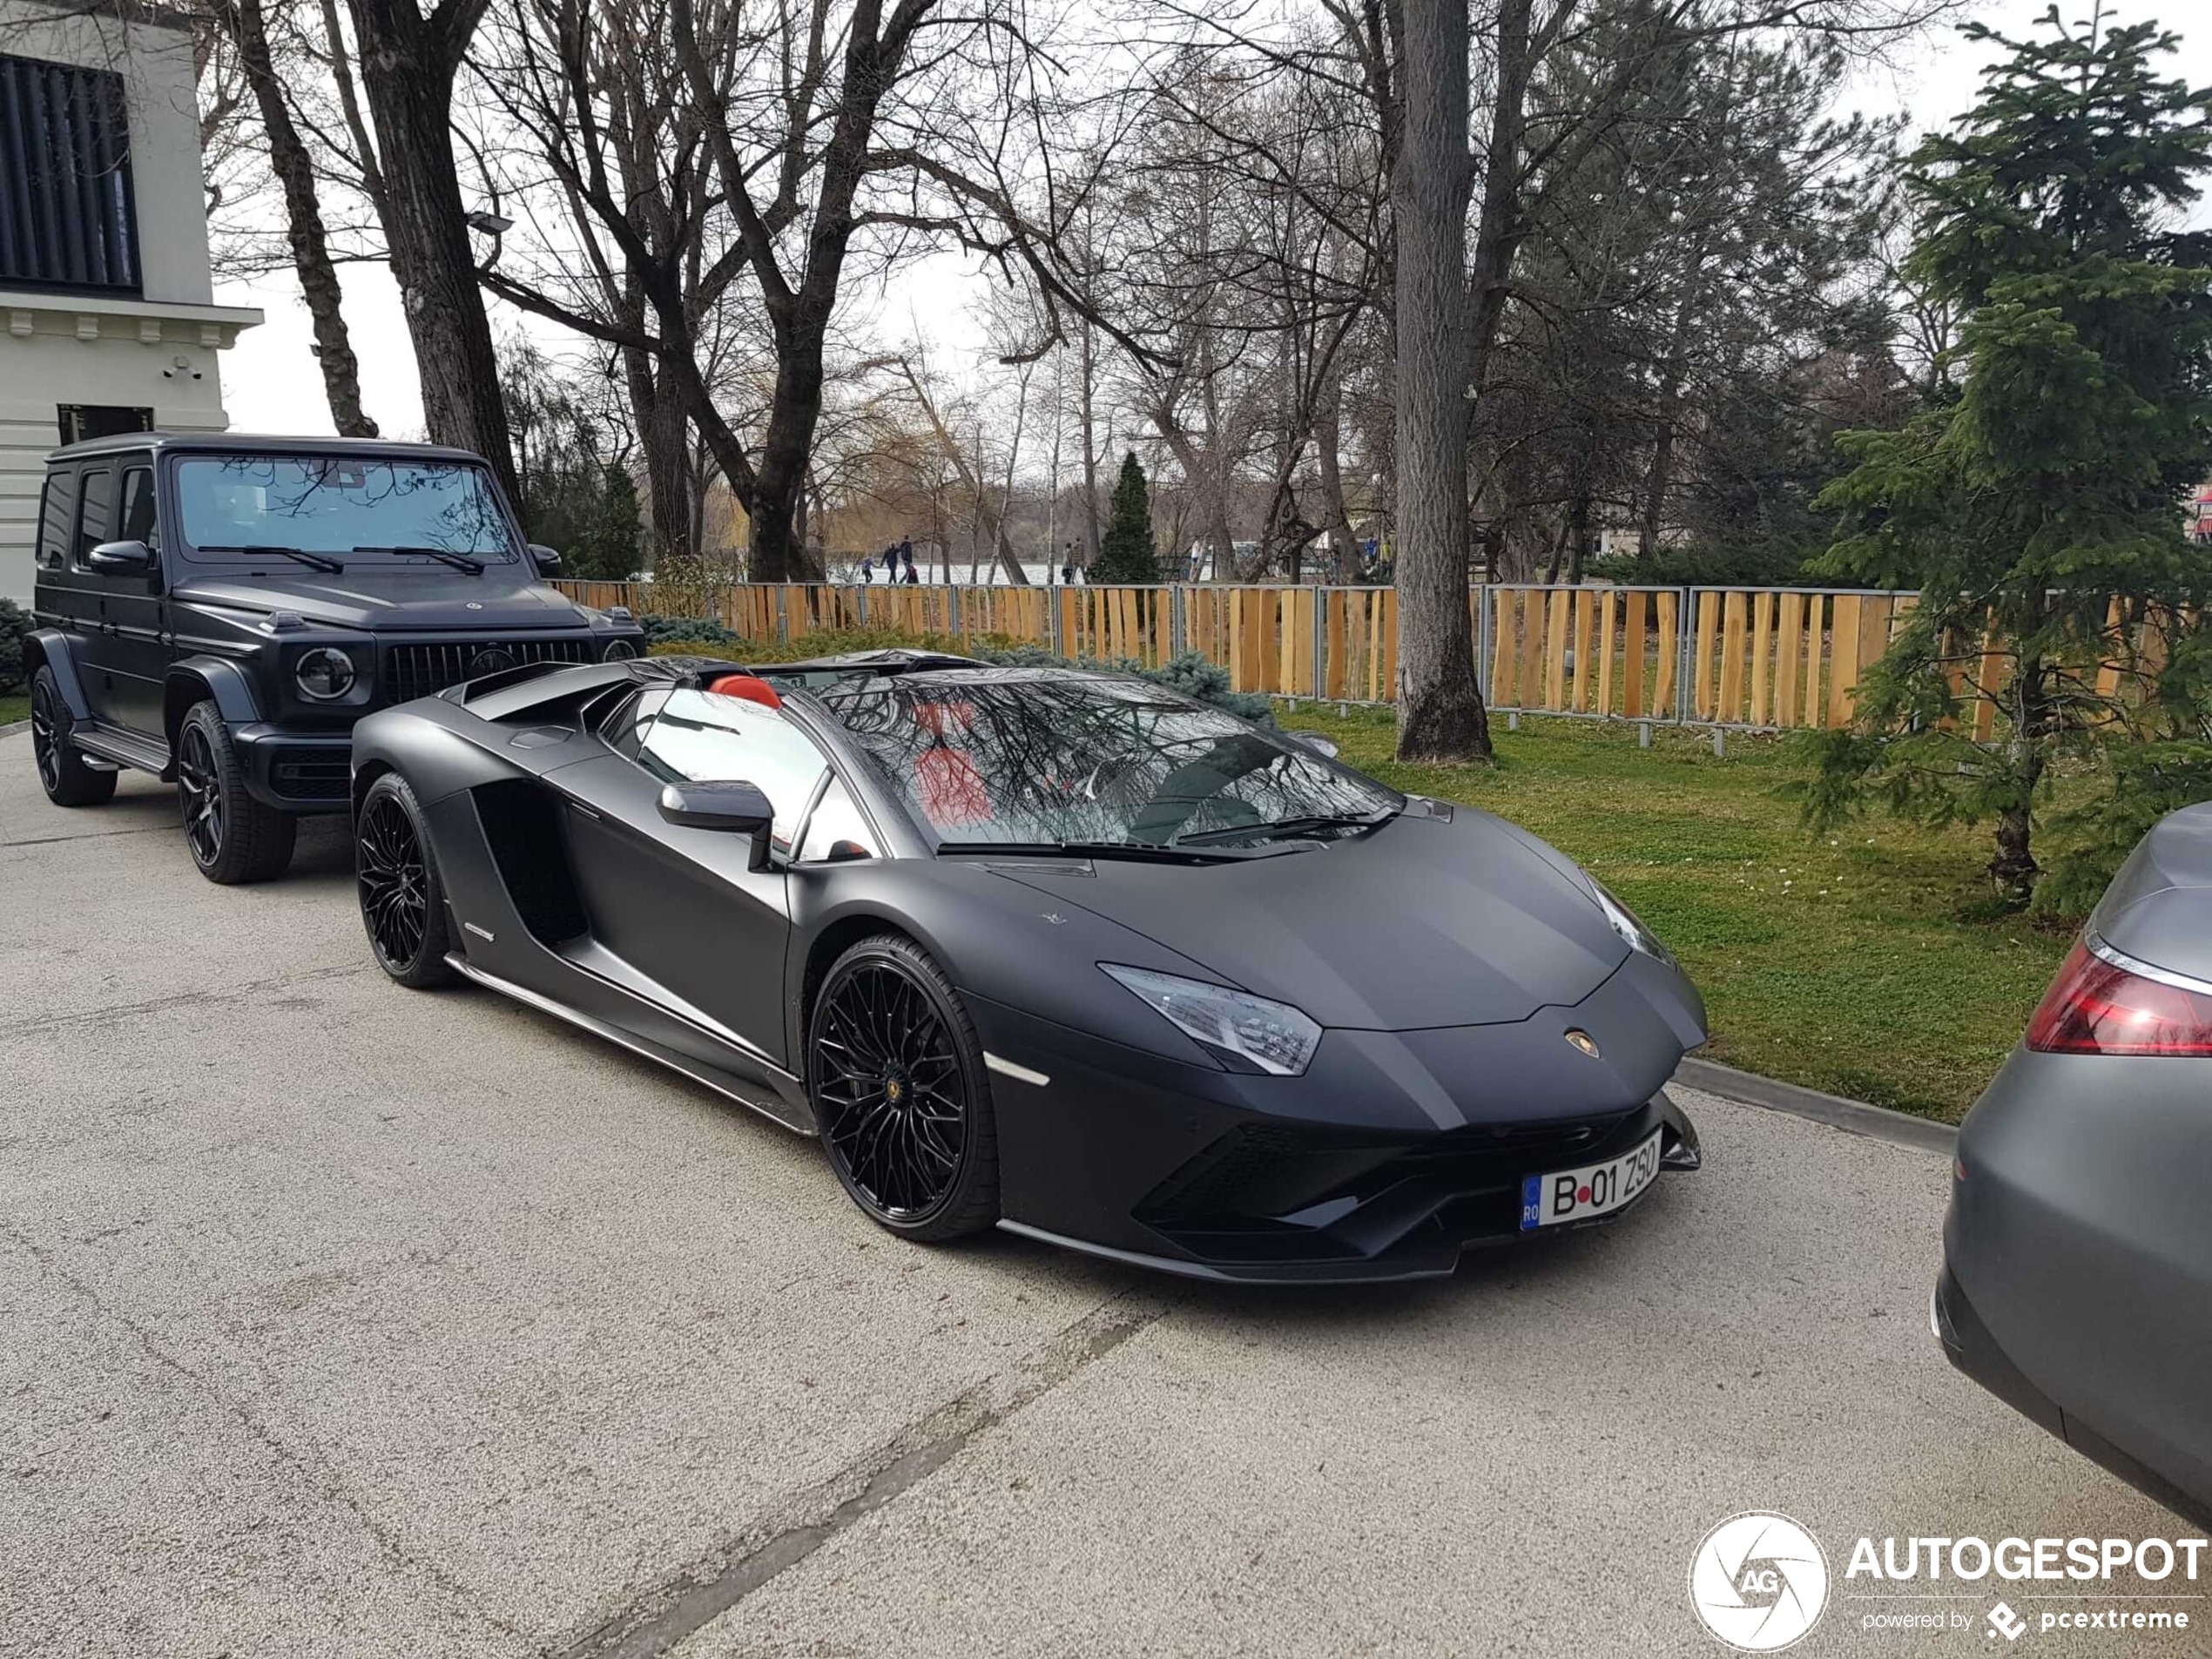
x=352 y=506
x=1096 y=761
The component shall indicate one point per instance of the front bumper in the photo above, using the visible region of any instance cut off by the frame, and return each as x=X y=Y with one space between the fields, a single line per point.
x=1332 y=1177
x=294 y=771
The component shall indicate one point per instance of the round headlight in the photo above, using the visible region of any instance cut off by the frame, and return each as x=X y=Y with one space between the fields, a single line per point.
x=325 y=673
x=619 y=650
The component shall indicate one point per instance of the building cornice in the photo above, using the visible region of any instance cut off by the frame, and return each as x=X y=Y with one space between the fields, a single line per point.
x=26 y=312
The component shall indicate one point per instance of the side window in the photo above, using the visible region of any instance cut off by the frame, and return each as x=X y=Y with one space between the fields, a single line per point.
x=837 y=831
x=625 y=726
x=57 y=516
x=95 y=500
x=136 y=523
x=702 y=736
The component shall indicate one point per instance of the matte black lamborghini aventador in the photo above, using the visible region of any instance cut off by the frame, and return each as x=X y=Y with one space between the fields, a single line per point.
x=1056 y=950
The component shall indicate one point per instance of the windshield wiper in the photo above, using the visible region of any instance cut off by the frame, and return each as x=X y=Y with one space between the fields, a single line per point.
x=1287 y=826
x=320 y=561
x=459 y=561
x=1149 y=852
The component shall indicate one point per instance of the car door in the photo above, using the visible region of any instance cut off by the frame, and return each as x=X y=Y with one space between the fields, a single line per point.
x=135 y=647
x=681 y=905
x=86 y=593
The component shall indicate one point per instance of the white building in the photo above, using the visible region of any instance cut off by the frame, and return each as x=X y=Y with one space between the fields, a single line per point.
x=107 y=315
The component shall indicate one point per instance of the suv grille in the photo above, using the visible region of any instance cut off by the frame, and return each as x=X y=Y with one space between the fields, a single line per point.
x=410 y=671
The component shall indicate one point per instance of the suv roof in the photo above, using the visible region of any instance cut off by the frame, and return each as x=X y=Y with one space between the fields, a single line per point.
x=231 y=443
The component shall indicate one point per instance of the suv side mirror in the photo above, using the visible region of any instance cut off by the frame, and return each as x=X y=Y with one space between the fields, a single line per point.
x=1321 y=742
x=738 y=808
x=547 y=559
x=120 y=559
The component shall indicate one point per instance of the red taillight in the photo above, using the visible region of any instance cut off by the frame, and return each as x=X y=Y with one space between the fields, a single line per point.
x=2094 y=1008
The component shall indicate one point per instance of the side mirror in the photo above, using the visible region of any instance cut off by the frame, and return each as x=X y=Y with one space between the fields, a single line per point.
x=1319 y=742
x=547 y=559
x=120 y=559
x=736 y=808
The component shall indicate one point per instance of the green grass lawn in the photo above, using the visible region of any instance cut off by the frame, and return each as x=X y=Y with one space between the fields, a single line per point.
x=1846 y=962
x=14 y=708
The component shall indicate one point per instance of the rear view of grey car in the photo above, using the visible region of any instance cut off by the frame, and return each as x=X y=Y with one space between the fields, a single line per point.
x=2077 y=1278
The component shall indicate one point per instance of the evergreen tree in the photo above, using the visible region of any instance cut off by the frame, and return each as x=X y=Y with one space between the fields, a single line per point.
x=606 y=528
x=1127 y=554
x=2038 y=512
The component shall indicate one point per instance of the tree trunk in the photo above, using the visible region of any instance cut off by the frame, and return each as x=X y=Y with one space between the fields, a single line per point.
x=1441 y=716
x=1328 y=440
x=664 y=435
x=408 y=64
x=296 y=174
x=2015 y=868
x=1089 y=392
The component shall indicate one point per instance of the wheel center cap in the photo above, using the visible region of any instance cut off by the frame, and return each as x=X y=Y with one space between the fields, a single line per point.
x=894 y=1089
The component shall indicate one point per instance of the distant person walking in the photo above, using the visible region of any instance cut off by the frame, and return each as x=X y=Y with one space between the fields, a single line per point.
x=867 y=570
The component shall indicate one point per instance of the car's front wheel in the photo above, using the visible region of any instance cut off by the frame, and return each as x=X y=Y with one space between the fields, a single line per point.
x=67 y=777
x=402 y=900
x=232 y=837
x=901 y=1093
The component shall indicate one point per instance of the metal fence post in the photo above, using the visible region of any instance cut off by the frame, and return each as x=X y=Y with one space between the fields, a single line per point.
x=952 y=610
x=1176 y=621
x=1320 y=639
x=1482 y=652
x=1052 y=620
x=1685 y=656
x=863 y=591
x=783 y=614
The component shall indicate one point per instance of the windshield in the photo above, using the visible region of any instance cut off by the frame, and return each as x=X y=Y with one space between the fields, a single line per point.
x=345 y=505
x=1088 y=760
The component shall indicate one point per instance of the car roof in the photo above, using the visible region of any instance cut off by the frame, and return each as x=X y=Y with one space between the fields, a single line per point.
x=231 y=443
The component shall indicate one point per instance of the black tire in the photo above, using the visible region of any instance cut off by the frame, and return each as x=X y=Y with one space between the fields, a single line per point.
x=62 y=773
x=232 y=837
x=395 y=877
x=901 y=1093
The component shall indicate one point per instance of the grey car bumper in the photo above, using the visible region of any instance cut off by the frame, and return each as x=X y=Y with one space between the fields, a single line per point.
x=2077 y=1279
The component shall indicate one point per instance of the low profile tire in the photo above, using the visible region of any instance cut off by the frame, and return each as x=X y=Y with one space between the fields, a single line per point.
x=402 y=900
x=232 y=837
x=62 y=773
x=901 y=1093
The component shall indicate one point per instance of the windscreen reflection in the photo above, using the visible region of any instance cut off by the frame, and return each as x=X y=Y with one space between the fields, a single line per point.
x=1048 y=760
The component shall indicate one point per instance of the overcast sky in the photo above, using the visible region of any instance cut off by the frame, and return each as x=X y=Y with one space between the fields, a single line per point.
x=270 y=383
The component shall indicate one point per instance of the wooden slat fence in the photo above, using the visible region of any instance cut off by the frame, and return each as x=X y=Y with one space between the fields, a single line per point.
x=1764 y=658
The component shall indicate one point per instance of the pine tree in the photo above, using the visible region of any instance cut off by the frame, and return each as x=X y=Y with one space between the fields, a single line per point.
x=2038 y=512
x=1127 y=554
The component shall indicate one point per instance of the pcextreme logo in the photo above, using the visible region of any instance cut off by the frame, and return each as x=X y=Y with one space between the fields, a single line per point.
x=1758 y=1581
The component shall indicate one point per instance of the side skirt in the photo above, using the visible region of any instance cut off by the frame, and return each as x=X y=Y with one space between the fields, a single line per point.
x=623 y=1038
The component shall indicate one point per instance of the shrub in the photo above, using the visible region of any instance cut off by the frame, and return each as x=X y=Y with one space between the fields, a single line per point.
x=15 y=623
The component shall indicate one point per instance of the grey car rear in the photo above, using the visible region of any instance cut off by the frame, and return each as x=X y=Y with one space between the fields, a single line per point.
x=2077 y=1279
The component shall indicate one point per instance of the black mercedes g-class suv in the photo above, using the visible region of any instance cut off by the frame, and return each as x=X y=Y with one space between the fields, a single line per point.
x=220 y=609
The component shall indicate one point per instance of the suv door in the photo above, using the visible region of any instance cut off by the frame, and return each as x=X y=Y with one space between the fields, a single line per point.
x=124 y=658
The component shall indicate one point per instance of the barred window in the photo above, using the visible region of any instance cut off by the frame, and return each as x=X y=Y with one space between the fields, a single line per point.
x=66 y=217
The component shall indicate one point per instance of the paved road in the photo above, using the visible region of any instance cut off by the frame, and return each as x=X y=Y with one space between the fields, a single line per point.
x=342 y=1320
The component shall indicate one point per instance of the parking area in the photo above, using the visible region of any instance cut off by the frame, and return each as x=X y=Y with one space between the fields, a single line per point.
x=344 y=1320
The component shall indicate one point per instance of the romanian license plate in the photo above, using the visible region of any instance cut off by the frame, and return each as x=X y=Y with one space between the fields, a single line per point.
x=1593 y=1189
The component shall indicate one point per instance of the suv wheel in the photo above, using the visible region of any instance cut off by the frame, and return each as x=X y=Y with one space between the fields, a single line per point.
x=404 y=903
x=67 y=780
x=232 y=837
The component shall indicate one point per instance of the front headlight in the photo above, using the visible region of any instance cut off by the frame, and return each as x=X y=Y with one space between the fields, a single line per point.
x=1273 y=1037
x=1625 y=922
x=325 y=673
x=619 y=650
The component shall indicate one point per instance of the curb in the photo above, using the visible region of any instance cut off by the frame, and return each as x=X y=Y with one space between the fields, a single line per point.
x=13 y=726
x=1854 y=1116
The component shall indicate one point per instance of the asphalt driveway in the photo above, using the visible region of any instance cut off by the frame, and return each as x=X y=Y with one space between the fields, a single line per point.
x=343 y=1320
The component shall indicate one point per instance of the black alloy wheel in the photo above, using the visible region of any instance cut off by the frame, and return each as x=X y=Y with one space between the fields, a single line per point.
x=199 y=796
x=900 y=1094
x=62 y=773
x=402 y=901
x=232 y=837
